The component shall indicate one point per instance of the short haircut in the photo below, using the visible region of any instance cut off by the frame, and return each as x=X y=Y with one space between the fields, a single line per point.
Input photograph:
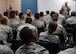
x=12 y=14
x=72 y=13
x=61 y=11
x=52 y=26
x=55 y=17
x=3 y=20
x=20 y=14
x=28 y=14
x=41 y=14
x=5 y=14
x=57 y=14
x=28 y=20
x=36 y=15
x=16 y=11
x=26 y=35
x=52 y=12
x=47 y=12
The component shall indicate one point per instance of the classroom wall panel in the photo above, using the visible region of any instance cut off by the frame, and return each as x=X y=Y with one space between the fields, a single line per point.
x=16 y=4
x=3 y=5
x=29 y=4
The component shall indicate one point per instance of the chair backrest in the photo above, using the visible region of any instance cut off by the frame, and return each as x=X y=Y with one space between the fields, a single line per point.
x=69 y=28
x=40 y=30
x=1 y=42
x=61 y=38
x=51 y=47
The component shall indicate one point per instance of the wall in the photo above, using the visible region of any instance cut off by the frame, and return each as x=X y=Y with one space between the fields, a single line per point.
x=40 y=5
x=3 y=5
x=54 y=5
x=16 y=4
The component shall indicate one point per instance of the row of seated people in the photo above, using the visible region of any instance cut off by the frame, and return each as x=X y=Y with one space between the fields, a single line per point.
x=39 y=24
x=32 y=46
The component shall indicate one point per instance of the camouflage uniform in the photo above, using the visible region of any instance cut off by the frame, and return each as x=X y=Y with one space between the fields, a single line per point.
x=71 y=20
x=69 y=51
x=31 y=48
x=5 y=32
x=13 y=23
x=45 y=36
x=5 y=50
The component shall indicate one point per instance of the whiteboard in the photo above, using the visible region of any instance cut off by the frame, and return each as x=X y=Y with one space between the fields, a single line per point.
x=53 y=5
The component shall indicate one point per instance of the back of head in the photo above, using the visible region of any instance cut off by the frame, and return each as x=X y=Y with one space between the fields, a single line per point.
x=55 y=17
x=12 y=14
x=16 y=11
x=36 y=15
x=26 y=35
x=28 y=12
x=4 y=21
x=61 y=11
x=20 y=14
x=5 y=14
x=72 y=13
x=52 y=27
x=47 y=12
x=28 y=20
x=52 y=12
x=41 y=14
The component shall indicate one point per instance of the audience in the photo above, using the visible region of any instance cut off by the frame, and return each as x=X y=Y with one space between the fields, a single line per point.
x=72 y=19
x=12 y=20
x=16 y=11
x=13 y=23
x=47 y=17
x=50 y=20
x=39 y=24
x=29 y=14
x=5 y=32
x=49 y=37
x=42 y=18
x=28 y=37
x=22 y=18
x=28 y=22
x=49 y=34
x=6 y=14
x=17 y=15
x=30 y=29
x=60 y=29
x=62 y=18
x=71 y=50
